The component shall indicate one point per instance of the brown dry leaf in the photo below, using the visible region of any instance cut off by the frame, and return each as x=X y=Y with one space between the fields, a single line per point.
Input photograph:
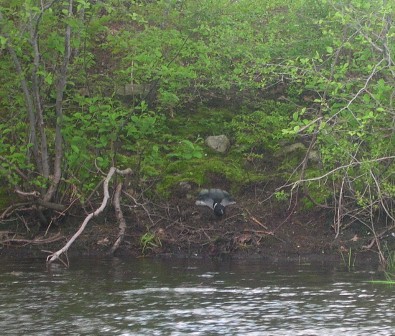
x=103 y=242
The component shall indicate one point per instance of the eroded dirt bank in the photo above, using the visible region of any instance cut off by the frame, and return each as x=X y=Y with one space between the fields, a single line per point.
x=251 y=228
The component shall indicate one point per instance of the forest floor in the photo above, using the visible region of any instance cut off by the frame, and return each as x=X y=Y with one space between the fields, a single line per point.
x=252 y=227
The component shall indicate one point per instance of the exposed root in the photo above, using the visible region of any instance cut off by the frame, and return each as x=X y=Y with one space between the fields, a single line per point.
x=120 y=218
x=35 y=241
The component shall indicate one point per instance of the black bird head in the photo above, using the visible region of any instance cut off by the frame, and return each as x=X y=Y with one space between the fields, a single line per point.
x=215 y=199
x=219 y=209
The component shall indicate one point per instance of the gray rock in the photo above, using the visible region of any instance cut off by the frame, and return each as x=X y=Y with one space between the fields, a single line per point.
x=131 y=89
x=298 y=147
x=218 y=143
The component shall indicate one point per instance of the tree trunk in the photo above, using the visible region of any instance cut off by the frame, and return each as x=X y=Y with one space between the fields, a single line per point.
x=34 y=41
x=60 y=88
x=29 y=104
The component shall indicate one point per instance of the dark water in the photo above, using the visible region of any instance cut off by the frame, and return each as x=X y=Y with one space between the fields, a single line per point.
x=194 y=297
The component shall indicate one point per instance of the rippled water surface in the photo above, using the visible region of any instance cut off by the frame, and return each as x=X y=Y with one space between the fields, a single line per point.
x=195 y=297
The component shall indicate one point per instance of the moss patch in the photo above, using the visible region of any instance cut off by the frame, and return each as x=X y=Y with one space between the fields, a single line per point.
x=207 y=170
x=201 y=122
x=5 y=198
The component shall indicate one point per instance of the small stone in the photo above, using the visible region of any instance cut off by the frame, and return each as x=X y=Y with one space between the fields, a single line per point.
x=218 y=143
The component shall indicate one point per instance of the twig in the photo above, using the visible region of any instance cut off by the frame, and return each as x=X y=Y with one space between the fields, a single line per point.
x=258 y=222
x=142 y=205
x=374 y=71
x=339 y=211
x=352 y=164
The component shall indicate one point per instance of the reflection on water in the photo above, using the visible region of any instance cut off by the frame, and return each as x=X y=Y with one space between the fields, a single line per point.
x=180 y=297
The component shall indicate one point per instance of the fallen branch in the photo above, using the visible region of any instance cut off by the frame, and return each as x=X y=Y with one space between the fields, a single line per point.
x=7 y=212
x=51 y=205
x=258 y=222
x=24 y=194
x=35 y=241
x=378 y=237
x=33 y=198
x=54 y=256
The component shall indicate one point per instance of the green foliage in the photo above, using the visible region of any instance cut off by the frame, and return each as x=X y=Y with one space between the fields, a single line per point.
x=111 y=130
x=390 y=269
x=202 y=122
x=13 y=149
x=187 y=150
x=211 y=50
x=5 y=199
x=261 y=131
x=148 y=241
x=281 y=195
x=202 y=171
x=348 y=259
x=318 y=193
x=352 y=85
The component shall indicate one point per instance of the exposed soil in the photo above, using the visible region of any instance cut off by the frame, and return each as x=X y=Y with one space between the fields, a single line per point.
x=251 y=228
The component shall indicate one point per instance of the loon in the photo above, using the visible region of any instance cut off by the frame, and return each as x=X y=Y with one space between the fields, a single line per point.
x=215 y=199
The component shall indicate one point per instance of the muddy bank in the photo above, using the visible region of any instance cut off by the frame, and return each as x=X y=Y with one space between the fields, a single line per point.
x=269 y=230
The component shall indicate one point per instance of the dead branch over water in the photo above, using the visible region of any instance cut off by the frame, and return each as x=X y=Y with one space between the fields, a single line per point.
x=56 y=255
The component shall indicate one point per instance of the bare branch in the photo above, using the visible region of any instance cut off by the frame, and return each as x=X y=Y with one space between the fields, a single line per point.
x=361 y=90
x=51 y=258
x=120 y=218
x=381 y=200
x=352 y=164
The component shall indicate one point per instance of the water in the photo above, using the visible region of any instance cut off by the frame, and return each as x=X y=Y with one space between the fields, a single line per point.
x=191 y=297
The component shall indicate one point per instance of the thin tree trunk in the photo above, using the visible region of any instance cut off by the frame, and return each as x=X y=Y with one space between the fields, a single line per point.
x=60 y=88
x=34 y=41
x=29 y=104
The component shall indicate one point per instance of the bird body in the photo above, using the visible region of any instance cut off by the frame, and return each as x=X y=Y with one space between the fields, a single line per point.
x=215 y=199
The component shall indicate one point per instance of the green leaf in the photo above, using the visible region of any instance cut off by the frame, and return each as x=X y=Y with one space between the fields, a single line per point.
x=3 y=42
x=75 y=148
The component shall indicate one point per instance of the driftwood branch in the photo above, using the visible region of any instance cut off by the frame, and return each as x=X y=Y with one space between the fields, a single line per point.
x=54 y=256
